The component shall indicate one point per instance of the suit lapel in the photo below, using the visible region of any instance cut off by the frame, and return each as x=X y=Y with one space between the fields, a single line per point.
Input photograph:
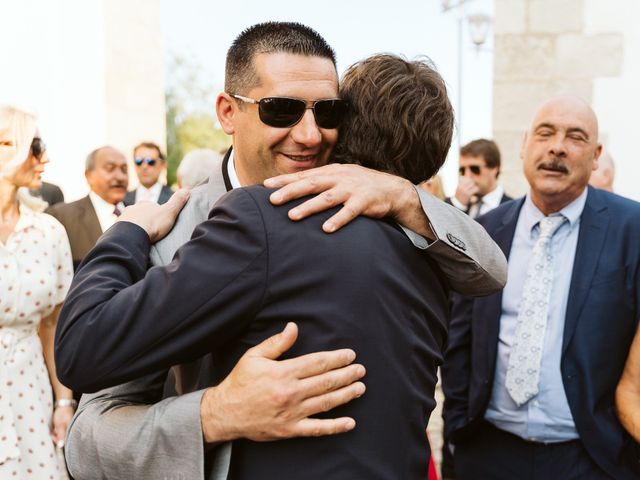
x=492 y=308
x=89 y=221
x=594 y=224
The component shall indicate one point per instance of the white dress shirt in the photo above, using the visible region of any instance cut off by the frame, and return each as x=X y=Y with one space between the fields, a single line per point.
x=487 y=203
x=104 y=210
x=152 y=194
x=547 y=416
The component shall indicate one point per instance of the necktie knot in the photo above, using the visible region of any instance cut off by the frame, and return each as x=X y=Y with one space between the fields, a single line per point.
x=549 y=225
x=116 y=211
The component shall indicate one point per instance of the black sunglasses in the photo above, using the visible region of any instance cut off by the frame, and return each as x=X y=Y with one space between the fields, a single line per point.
x=475 y=169
x=284 y=112
x=149 y=161
x=37 y=148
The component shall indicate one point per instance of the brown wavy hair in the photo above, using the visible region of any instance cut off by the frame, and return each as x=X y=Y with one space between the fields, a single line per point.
x=400 y=118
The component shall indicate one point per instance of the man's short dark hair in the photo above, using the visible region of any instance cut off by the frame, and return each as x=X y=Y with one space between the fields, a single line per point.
x=400 y=118
x=269 y=37
x=484 y=148
x=152 y=146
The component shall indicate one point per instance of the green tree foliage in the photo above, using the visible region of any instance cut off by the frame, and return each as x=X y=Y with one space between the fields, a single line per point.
x=190 y=110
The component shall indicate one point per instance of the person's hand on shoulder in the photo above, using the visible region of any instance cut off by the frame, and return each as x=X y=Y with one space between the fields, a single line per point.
x=156 y=220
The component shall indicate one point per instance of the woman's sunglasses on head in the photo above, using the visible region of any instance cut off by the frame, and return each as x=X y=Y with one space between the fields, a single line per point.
x=284 y=112
x=37 y=148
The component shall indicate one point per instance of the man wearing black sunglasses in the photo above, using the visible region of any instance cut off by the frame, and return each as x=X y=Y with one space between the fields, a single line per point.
x=304 y=79
x=478 y=190
x=149 y=164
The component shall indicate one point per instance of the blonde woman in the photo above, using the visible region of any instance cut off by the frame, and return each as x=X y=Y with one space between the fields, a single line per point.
x=35 y=273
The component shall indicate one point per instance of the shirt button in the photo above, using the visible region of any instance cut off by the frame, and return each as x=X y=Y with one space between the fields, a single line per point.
x=536 y=403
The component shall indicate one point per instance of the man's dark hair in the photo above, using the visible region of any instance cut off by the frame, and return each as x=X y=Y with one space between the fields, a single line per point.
x=151 y=146
x=269 y=37
x=484 y=148
x=400 y=118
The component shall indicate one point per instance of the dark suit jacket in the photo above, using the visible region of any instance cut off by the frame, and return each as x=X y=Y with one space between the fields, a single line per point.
x=246 y=272
x=600 y=322
x=165 y=195
x=81 y=222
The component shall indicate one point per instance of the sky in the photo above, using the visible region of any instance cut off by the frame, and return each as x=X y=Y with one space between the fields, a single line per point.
x=202 y=30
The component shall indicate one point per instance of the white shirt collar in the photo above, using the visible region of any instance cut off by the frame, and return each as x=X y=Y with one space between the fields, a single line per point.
x=493 y=198
x=104 y=210
x=572 y=212
x=153 y=192
x=231 y=171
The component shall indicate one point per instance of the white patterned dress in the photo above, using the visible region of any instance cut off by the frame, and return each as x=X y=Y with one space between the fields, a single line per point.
x=35 y=274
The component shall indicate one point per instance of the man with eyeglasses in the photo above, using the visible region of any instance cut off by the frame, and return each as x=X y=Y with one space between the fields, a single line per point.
x=149 y=163
x=286 y=69
x=478 y=190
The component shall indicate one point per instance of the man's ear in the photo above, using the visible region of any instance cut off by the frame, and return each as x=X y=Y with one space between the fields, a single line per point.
x=596 y=156
x=226 y=109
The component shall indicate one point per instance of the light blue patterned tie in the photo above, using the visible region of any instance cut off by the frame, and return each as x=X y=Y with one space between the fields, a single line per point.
x=523 y=370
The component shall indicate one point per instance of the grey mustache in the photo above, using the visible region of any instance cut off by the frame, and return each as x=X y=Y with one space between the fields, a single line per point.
x=555 y=164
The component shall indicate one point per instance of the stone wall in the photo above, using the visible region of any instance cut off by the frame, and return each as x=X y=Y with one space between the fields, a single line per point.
x=93 y=71
x=545 y=48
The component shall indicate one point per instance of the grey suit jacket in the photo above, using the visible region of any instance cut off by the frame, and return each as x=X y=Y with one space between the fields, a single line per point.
x=129 y=432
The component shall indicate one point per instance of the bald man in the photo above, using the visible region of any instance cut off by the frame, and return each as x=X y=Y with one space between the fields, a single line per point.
x=531 y=372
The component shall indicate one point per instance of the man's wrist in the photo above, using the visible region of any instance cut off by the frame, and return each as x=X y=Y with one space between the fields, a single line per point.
x=212 y=418
x=411 y=213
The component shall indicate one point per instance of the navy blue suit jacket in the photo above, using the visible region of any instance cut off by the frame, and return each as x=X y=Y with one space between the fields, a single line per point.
x=600 y=322
x=246 y=272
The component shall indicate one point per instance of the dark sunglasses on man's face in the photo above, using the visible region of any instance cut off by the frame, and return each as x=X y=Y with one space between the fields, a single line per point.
x=284 y=112
x=149 y=161
x=475 y=169
x=37 y=148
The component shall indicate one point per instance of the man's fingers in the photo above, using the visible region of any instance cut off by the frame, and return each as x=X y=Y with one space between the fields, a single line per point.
x=319 y=362
x=340 y=219
x=177 y=201
x=300 y=188
x=287 y=178
x=331 y=400
x=275 y=345
x=316 y=427
x=327 y=199
x=330 y=381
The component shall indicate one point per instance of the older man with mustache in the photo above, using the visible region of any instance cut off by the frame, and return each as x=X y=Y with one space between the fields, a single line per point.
x=531 y=371
x=86 y=219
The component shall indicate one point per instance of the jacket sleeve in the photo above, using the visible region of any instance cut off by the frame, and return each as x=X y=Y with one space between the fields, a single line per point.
x=116 y=433
x=472 y=262
x=456 y=368
x=118 y=323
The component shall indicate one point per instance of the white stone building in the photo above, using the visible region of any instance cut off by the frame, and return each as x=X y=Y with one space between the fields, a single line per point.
x=94 y=72
x=590 y=48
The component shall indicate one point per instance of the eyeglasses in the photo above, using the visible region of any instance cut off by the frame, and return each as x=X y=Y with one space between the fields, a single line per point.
x=284 y=112
x=475 y=169
x=148 y=160
x=37 y=148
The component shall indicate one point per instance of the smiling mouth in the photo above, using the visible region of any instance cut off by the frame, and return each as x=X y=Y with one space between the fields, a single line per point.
x=301 y=158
